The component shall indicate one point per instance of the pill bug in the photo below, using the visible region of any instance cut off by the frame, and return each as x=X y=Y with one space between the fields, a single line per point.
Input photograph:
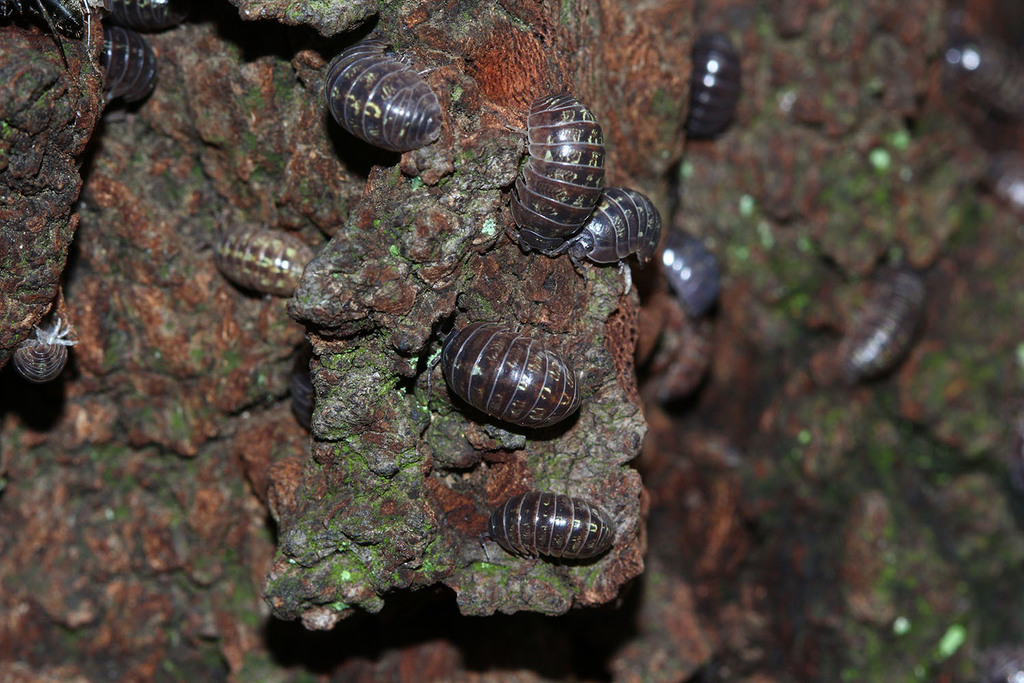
x=990 y=73
x=149 y=15
x=561 y=182
x=509 y=376
x=714 y=85
x=41 y=358
x=691 y=271
x=883 y=330
x=67 y=18
x=128 y=63
x=551 y=524
x=268 y=261
x=378 y=98
x=625 y=222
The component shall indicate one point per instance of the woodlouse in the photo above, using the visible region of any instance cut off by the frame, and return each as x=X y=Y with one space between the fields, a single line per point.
x=551 y=524
x=63 y=17
x=128 y=63
x=149 y=15
x=268 y=261
x=714 y=85
x=625 y=222
x=561 y=182
x=990 y=72
x=691 y=271
x=509 y=376
x=41 y=358
x=883 y=330
x=378 y=98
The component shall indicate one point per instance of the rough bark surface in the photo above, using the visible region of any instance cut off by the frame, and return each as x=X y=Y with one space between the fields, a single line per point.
x=164 y=517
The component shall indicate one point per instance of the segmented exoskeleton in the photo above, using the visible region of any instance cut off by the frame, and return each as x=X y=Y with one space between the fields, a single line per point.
x=149 y=15
x=128 y=63
x=714 y=85
x=509 y=376
x=691 y=271
x=551 y=524
x=625 y=222
x=263 y=260
x=884 y=329
x=42 y=358
x=561 y=183
x=378 y=98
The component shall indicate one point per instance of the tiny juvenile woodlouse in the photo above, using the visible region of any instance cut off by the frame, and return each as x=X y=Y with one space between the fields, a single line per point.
x=691 y=271
x=42 y=358
x=128 y=63
x=883 y=331
x=990 y=72
x=561 y=182
x=149 y=15
x=509 y=376
x=268 y=261
x=551 y=524
x=378 y=98
x=625 y=222
x=714 y=85
x=64 y=17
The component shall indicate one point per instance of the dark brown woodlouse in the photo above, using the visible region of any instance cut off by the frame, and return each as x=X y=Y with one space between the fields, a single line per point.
x=625 y=222
x=377 y=97
x=715 y=85
x=128 y=63
x=884 y=329
x=268 y=261
x=66 y=17
x=509 y=376
x=692 y=272
x=561 y=182
x=43 y=357
x=551 y=524
x=149 y=15
x=990 y=73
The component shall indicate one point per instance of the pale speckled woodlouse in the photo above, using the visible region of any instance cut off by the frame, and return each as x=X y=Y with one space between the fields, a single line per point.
x=714 y=85
x=509 y=376
x=378 y=98
x=149 y=15
x=990 y=73
x=128 y=63
x=562 y=181
x=263 y=260
x=691 y=271
x=43 y=357
x=883 y=330
x=625 y=222
x=550 y=524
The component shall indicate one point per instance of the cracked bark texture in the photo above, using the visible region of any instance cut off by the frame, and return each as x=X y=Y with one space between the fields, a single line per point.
x=792 y=522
